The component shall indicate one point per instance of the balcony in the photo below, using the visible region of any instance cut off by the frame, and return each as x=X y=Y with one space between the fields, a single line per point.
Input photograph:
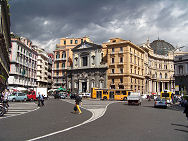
x=120 y=52
x=58 y=68
x=59 y=82
x=60 y=59
x=116 y=74
x=112 y=64
x=120 y=63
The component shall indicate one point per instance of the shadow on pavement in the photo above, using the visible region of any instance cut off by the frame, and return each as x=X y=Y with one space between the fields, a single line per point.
x=179 y=125
x=181 y=130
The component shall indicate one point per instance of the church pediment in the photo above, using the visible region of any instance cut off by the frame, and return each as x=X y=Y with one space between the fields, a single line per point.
x=86 y=45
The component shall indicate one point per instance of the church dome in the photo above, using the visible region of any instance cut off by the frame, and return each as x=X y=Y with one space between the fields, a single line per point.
x=161 y=47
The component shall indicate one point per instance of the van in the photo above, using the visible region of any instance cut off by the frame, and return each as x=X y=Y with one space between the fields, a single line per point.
x=31 y=95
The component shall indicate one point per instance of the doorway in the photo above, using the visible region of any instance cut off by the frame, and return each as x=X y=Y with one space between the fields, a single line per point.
x=84 y=87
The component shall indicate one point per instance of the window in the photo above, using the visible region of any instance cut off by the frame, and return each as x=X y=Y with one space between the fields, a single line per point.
x=112 y=70
x=63 y=54
x=18 y=47
x=121 y=60
x=57 y=73
x=121 y=49
x=93 y=84
x=131 y=58
x=181 y=70
x=160 y=75
x=57 y=65
x=63 y=65
x=121 y=70
x=121 y=80
x=93 y=60
x=135 y=59
x=112 y=60
x=112 y=49
x=76 y=41
x=112 y=81
x=75 y=85
x=101 y=84
x=166 y=75
x=81 y=40
x=84 y=60
x=70 y=41
x=65 y=42
x=57 y=55
x=134 y=70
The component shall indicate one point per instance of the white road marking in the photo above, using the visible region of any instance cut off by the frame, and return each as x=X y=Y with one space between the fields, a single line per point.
x=16 y=109
x=96 y=113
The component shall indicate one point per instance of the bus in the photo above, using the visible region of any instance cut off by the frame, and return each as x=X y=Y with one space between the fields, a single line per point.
x=110 y=94
x=166 y=94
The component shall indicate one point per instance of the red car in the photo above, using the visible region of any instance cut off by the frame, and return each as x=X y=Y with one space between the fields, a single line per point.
x=31 y=95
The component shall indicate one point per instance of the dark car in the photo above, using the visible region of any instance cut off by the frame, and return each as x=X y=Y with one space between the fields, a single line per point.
x=60 y=95
x=72 y=96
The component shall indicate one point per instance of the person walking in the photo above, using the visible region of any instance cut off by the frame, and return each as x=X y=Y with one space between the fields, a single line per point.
x=42 y=100
x=78 y=100
x=39 y=98
x=5 y=97
x=186 y=109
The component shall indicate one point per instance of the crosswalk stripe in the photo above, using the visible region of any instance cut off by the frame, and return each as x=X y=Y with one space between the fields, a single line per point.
x=16 y=109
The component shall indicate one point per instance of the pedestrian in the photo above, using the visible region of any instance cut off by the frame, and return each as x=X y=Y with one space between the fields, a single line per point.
x=5 y=97
x=42 y=100
x=186 y=109
x=39 y=98
x=78 y=100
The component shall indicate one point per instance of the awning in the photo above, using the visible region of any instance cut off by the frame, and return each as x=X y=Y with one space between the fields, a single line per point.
x=61 y=89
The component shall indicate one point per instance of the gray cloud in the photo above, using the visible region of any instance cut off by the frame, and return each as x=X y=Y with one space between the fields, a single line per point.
x=46 y=21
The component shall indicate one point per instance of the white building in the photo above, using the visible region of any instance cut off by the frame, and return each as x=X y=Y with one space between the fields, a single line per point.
x=23 y=64
x=42 y=67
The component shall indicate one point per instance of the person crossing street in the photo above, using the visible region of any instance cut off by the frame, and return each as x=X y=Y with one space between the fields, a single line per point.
x=78 y=100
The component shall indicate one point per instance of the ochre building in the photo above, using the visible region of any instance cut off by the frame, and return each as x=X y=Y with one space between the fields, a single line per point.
x=125 y=62
x=63 y=59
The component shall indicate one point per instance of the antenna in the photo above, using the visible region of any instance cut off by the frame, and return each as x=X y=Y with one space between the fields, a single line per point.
x=158 y=35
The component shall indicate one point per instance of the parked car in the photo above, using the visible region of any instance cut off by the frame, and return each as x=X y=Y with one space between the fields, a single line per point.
x=160 y=103
x=61 y=95
x=17 y=96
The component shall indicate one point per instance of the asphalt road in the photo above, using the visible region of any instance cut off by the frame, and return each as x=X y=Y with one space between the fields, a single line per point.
x=120 y=122
x=55 y=115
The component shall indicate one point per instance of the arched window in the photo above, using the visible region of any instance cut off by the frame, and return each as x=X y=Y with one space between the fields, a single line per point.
x=166 y=75
x=160 y=75
x=57 y=55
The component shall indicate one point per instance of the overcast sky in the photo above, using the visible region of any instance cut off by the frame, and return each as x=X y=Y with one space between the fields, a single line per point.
x=44 y=22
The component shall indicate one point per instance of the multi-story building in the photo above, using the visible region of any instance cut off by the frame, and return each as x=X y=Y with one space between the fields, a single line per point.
x=50 y=65
x=87 y=71
x=5 y=44
x=181 y=74
x=159 y=70
x=125 y=63
x=63 y=59
x=23 y=63
x=42 y=67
